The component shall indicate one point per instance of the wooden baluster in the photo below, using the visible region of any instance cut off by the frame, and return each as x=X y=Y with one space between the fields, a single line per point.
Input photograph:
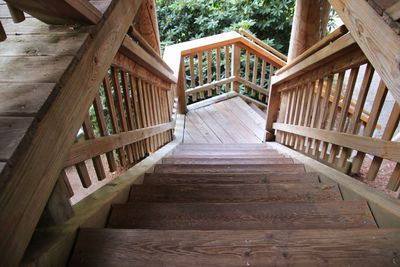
x=3 y=35
x=314 y=121
x=333 y=110
x=148 y=115
x=113 y=117
x=297 y=109
x=235 y=67
x=227 y=67
x=209 y=71
x=162 y=101
x=255 y=74
x=218 y=69
x=143 y=113
x=388 y=133
x=301 y=118
x=83 y=174
x=120 y=107
x=283 y=109
x=156 y=112
x=287 y=114
x=247 y=70
x=129 y=111
x=345 y=110
x=192 y=77
x=291 y=114
x=356 y=117
x=200 y=65
x=307 y=117
x=16 y=14
x=66 y=184
x=98 y=109
x=371 y=124
x=323 y=113
x=89 y=134
x=136 y=106
x=150 y=95
x=262 y=78
x=394 y=181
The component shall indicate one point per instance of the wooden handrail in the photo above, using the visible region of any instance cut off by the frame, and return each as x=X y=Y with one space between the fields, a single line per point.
x=262 y=44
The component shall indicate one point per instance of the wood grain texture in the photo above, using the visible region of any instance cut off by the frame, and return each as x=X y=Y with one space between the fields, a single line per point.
x=111 y=247
x=227 y=160
x=242 y=216
x=228 y=168
x=228 y=178
x=288 y=192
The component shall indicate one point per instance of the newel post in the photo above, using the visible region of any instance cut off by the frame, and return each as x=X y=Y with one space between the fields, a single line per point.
x=235 y=66
x=181 y=88
x=272 y=112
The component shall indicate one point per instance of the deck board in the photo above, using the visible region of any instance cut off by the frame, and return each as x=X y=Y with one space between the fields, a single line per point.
x=231 y=121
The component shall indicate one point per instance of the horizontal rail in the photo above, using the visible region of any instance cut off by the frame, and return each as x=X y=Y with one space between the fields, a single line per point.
x=373 y=146
x=88 y=149
x=211 y=85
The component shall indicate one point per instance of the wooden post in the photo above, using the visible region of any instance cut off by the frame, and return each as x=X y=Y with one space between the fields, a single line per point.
x=3 y=34
x=16 y=14
x=235 y=66
x=306 y=27
x=272 y=112
x=181 y=88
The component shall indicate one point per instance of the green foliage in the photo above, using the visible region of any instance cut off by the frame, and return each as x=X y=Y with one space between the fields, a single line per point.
x=183 y=20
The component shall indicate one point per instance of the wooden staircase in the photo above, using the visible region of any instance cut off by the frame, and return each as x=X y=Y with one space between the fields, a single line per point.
x=236 y=205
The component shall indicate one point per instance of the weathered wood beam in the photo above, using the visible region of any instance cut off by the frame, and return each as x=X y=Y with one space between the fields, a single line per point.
x=147 y=25
x=377 y=40
x=43 y=160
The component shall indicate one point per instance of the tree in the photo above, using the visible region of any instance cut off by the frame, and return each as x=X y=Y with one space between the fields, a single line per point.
x=183 y=20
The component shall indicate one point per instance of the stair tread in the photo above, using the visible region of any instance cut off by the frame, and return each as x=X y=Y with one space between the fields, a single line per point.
x=354 y=247
x=235 y=193
x=242 y=216
x=216 y=161
x=229 y=178
x=228 y=168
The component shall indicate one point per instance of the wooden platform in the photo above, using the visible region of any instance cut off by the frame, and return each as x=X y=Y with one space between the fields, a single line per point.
x=201 y=214
x=227 y=122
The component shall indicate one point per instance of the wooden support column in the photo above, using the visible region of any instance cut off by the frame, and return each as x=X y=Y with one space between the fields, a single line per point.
x=235 y=66
x=16 y=14
x=305 y=28
x=3 y=34
x=181 y=88
x=147 y=24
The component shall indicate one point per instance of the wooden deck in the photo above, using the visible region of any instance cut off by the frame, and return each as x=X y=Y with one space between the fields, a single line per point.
x=231 y=121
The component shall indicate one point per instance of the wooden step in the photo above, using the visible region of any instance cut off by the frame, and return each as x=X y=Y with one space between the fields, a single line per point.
x=224 y=147
x=229 y=168
x=242 y=216
x=224 y=161
x=216 y=152
x=235 y=193
x=222 y=156
x=352 y=247
x=229 y=178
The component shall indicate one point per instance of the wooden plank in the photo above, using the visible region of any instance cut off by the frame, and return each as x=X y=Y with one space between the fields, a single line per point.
x=223 y=161
x=239 y=193
x=83 y=174
x=209 y=71
x=199 y=125
x=384 y=57
x=229 y=168
x=241 y=216
x=188 y=178
x=208 y=86
x=333 y=247
x=212 y=100
x=369 y=145
x=394 y=11
x=56 y=133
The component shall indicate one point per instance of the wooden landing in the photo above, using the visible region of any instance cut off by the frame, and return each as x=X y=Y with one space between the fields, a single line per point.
x=231 y=121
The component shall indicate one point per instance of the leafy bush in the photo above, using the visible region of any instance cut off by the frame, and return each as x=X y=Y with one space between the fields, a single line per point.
x=183 y=20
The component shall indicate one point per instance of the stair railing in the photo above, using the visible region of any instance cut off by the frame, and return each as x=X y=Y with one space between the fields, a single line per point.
x=220 y=64
x=304 y=113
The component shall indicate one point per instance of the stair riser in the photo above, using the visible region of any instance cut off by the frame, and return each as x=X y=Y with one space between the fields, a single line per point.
x=226 y=161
